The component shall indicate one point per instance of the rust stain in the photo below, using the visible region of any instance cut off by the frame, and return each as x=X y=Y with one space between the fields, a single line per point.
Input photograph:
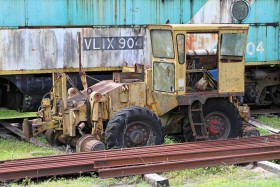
x=201 y=41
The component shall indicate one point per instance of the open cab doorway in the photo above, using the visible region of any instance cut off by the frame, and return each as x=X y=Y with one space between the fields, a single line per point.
x=201 y=62
x=215 y=61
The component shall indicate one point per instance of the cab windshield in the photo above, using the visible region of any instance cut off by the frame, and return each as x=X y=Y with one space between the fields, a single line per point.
x=232 y=44
x=162 y=43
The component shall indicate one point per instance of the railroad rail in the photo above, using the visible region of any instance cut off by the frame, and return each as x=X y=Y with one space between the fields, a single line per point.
x=265 y=111
x=141 y=160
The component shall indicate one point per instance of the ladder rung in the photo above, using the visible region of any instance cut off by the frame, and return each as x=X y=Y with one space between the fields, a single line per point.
x=192 y=112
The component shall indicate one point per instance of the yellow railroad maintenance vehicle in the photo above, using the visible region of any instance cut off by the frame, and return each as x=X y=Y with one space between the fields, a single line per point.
x=196 y=75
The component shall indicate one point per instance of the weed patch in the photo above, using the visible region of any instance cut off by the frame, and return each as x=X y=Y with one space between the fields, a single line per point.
x=169 y=140
x=263 y=132
x=271 y=121
x=12 y=114
x=14 y=149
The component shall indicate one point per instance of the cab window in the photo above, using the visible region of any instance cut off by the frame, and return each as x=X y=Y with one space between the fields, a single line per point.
x=162 y=44
x=232 y=46
x=181 y=48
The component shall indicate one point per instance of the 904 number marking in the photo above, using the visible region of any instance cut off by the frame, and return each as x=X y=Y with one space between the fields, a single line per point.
x=112 y=43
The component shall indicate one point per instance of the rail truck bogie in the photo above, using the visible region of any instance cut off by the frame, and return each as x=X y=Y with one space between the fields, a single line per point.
x=179 y=95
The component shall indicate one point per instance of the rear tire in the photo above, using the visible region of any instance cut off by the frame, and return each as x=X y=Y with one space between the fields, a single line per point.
x=222 y=119
x=133 y=127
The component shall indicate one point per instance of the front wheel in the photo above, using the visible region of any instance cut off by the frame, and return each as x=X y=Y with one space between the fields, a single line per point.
x=133 y=127
x=222 y=119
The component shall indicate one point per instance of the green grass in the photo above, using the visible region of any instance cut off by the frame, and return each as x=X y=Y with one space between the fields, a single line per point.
x=224 y=182
x=83 y=181
x=270 y=121
x=273 y=122
x=12 y=114
x=169 y=140
x=42 y=139
x=14 y=149
x=219 y=176
x=263 y=132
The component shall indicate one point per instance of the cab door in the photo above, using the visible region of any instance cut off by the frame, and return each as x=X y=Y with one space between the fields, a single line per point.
x=231 y=65
x=163 y=60
x=169 y=68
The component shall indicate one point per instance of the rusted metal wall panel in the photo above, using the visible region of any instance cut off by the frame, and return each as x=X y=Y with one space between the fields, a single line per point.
x=39 y=49
x=263 y=41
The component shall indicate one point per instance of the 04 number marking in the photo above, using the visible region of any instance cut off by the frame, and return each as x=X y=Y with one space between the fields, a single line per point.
x=252 y=48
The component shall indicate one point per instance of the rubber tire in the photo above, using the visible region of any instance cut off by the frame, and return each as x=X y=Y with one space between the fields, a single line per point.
x=229 y=110
x=114 y=133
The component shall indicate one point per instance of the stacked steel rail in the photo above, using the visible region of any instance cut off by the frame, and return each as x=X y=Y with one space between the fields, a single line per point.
x=140 y=160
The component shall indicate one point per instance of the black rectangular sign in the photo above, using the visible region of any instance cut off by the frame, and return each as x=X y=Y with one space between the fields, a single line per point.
x=112 y=43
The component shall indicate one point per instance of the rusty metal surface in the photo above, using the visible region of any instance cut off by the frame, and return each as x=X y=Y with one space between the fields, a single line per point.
x=265 y=111
x=189 y=97
x=183 y=155
x=103 y=87
x=188 y=164
x=88 y=143
x=141 y=150
x=146 y=159
x=128 y=77
x=58 y=48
